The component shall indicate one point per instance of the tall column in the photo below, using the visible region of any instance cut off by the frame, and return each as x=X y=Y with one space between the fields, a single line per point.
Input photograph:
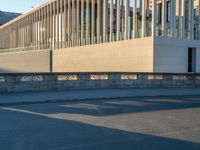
x=111 y=20
x=47 y=25
x=25 y=38
x=82 y=20
x=69 y=22
x=58 y=24
x=39 y=28
x=126 y=18
x=44 y=27
x=164 y=14
x=199 y=21
x=93 y=21
x=191 y=19
x=134 y=34
x=98 y=20
x=105 y=8
x=65 y=22
x=143 y=18
x=61 y=23
x=173 y=18
x=51 y=25
x=54 y=30
x=87 y=21
x=179 y=18
x=118 y=19
x=154 y=18
x=77 y=20
x=36 y=28
x=182 y=30
x=73 y=20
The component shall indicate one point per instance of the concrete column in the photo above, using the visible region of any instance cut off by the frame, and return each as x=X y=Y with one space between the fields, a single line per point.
x=199 y=21
x=54 y=30
x=182 y=30
x=36 y=28
x=105 y=8
x=98 y=19
x=118 y=19
x=191 y=19
x=65 y=23
x=39 y=29
x=126 y=18
x=25 y=34
x=164 y=14
x=77 y=20
x=44 y=27
x=61 y=22
x=87 y=21
x=58 y=24
x=111 y=20
x=73 y=20
x=51 y=26
x=173 y=18
x=93 y=21
x=143 y=18
x=134 y=34
x=154 y=18
x=69 y=22
x=24 y=27
x=179 y=18
x=47 y=25
x=82 y=20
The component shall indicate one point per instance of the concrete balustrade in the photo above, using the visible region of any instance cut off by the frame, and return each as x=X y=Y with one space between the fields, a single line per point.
x=25 y=82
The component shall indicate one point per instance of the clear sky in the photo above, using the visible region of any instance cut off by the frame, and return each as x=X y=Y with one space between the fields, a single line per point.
x=19 y=6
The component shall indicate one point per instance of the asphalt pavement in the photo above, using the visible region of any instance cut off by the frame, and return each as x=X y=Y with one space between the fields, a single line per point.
x=90 y=94
x=138 y=123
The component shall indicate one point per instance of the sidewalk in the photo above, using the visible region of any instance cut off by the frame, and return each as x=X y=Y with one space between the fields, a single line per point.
x=63 y=96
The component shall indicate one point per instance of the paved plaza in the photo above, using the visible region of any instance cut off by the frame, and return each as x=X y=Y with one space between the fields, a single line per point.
x=139 y=123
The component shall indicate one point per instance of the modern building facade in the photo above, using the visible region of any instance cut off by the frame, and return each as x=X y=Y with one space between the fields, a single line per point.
x=104 y=36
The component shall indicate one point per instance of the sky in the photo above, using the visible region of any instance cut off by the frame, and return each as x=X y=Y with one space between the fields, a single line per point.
x=19 y=6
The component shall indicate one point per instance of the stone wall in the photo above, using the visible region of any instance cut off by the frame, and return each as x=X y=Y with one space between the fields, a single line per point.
x=65 y=81
x=29 y=61
x=123 y=56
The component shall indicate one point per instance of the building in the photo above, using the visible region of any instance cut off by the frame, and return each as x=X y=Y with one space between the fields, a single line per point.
x=7 y=16
x=103 y=36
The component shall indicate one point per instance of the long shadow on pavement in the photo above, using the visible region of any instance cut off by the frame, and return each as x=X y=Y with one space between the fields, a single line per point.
x=26 y=131
x=118 y=106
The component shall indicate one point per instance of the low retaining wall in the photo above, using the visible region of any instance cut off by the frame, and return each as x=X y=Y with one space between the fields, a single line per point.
x=25 y=82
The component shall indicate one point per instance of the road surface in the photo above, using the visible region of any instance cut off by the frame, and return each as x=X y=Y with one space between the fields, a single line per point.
x=143 y=123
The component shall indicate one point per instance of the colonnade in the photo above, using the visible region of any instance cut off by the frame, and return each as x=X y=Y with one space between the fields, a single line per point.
x=181 y=23
x=60 y=24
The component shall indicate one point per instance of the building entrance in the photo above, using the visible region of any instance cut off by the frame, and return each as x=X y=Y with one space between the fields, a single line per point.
x=191 y=59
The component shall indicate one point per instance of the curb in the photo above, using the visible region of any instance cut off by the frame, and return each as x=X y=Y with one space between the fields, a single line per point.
x=88 y=99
